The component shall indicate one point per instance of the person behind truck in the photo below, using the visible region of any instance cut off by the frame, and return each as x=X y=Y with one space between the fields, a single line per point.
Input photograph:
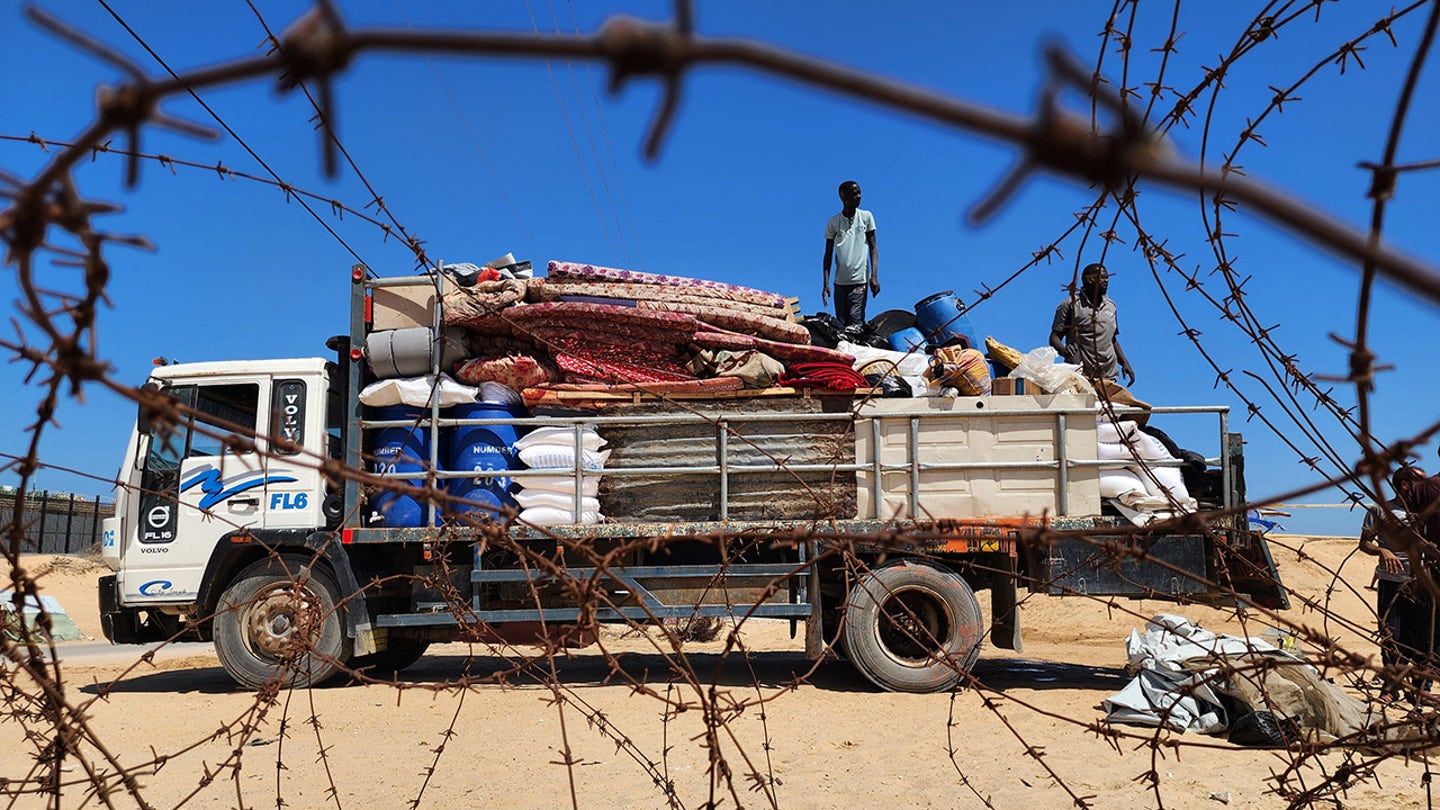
x=1420 y=495
x=1086 y=329
x=1396 y=604
x=850 y=239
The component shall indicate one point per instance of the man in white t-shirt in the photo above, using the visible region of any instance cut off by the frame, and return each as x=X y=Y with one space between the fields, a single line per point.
x=850 y=240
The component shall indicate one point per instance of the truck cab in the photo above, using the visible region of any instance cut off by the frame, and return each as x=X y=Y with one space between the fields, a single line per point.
x=233 y=450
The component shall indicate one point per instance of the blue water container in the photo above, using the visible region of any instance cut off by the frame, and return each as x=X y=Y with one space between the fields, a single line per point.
x=473 y=448
x=938 y=316
x=404 y=449
x=907 y=340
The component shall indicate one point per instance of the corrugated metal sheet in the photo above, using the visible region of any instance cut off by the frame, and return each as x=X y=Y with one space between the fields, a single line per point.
x=752 y=496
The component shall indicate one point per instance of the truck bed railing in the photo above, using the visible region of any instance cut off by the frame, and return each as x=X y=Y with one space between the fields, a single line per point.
x=1061 y=466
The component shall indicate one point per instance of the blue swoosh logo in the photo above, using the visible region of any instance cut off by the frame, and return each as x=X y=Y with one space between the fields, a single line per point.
x=218 y=491
x=164 y=585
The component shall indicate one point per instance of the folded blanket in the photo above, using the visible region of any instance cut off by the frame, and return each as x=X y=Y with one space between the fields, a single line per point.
x=714 y=289
x=716 y=338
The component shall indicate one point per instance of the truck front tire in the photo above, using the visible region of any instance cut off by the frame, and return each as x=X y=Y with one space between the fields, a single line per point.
x=280 y=620
x=913 y=627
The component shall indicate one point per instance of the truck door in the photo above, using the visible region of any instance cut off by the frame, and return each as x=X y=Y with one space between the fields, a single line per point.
x=294 y=489
x=197 y=486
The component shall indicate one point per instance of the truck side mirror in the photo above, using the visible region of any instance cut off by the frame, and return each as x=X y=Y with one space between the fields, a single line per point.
x=148 y=397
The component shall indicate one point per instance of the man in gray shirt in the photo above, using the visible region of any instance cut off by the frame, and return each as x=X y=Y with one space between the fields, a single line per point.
x=1086 y=329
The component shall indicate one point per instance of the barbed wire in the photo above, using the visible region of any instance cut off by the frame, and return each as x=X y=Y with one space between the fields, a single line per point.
x=319 y=47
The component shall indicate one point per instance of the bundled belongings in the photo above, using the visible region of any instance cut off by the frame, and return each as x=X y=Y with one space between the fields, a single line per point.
x=1190 y=679
x=577 y=338
x=964 y=369
x=599 y=326
x=728 y=306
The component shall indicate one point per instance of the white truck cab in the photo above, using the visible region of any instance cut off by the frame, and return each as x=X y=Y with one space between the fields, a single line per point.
x=240 y=455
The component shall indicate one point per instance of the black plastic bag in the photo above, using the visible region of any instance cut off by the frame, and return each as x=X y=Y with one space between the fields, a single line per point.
x=890 y=385
x=824 y=329
x=1263 y=730
x=861 y=334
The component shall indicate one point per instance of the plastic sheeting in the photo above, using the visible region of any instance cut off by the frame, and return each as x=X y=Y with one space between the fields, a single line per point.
x=909 y=366
x=1190 y=679
x=1166 y=689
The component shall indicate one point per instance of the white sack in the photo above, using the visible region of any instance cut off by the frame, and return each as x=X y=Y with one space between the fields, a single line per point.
x=561 y=457
x=550 y=516
x=415 y=392
x=555 y=500
x=564 y=436
x=563 y=484
x=1121 y=485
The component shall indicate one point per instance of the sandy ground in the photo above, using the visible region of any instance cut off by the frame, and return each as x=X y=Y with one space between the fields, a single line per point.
x=833 y=741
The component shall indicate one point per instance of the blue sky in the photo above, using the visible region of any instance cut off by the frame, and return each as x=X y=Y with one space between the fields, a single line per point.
x=482 y=156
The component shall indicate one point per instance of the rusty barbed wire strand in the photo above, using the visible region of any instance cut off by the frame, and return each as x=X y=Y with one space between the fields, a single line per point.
x=324 y=112
x=719 y=718
x=1362 y=360
x=194 y=94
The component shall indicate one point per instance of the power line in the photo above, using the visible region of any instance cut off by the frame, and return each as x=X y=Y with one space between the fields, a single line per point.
x=639 y=259
x=594 y=149
x=329 y=130
x=475 y=141
x=579 y=156
x=233 y=134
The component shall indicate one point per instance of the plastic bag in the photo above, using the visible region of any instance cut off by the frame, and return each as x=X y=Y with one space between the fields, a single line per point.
x=908 y=364
x=1263 y=730
x=1039 y=367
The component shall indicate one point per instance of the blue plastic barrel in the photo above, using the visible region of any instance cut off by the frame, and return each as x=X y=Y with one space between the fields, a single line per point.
x=938 y=316
x=474 y=448
x=403 y=449
x=907 y=340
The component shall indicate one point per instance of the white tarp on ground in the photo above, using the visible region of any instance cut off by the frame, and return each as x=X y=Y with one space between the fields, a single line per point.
x=1186 y=676
x=1167 y=688
x=62 y=627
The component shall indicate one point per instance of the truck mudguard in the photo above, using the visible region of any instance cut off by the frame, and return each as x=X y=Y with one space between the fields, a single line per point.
x=240 y=548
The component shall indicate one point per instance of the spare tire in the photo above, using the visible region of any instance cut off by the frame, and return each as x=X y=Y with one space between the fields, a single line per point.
x=913 y=627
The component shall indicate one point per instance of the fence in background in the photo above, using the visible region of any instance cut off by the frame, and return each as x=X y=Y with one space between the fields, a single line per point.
x=57 y=523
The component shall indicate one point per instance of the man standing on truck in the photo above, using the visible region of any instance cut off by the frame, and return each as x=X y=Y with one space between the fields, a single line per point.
x=1086 y=329
x=850 y=239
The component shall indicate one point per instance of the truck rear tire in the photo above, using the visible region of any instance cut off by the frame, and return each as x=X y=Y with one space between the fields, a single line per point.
x=913 y=627
x=280 y=620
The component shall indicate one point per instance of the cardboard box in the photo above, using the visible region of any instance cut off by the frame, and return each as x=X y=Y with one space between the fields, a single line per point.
x=1010 y=386
x=407 y=306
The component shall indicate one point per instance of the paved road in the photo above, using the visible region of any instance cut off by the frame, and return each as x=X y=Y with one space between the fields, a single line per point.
x=103 y=653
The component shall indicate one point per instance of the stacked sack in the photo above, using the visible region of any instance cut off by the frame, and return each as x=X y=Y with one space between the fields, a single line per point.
x=549 y=500
x=1144 y=492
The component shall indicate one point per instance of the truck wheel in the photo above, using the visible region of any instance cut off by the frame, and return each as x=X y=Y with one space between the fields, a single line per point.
x=280 y=620
x=399 y=655
x=913 y=627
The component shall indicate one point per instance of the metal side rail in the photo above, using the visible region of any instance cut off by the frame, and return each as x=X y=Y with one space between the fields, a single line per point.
x=635 y=583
